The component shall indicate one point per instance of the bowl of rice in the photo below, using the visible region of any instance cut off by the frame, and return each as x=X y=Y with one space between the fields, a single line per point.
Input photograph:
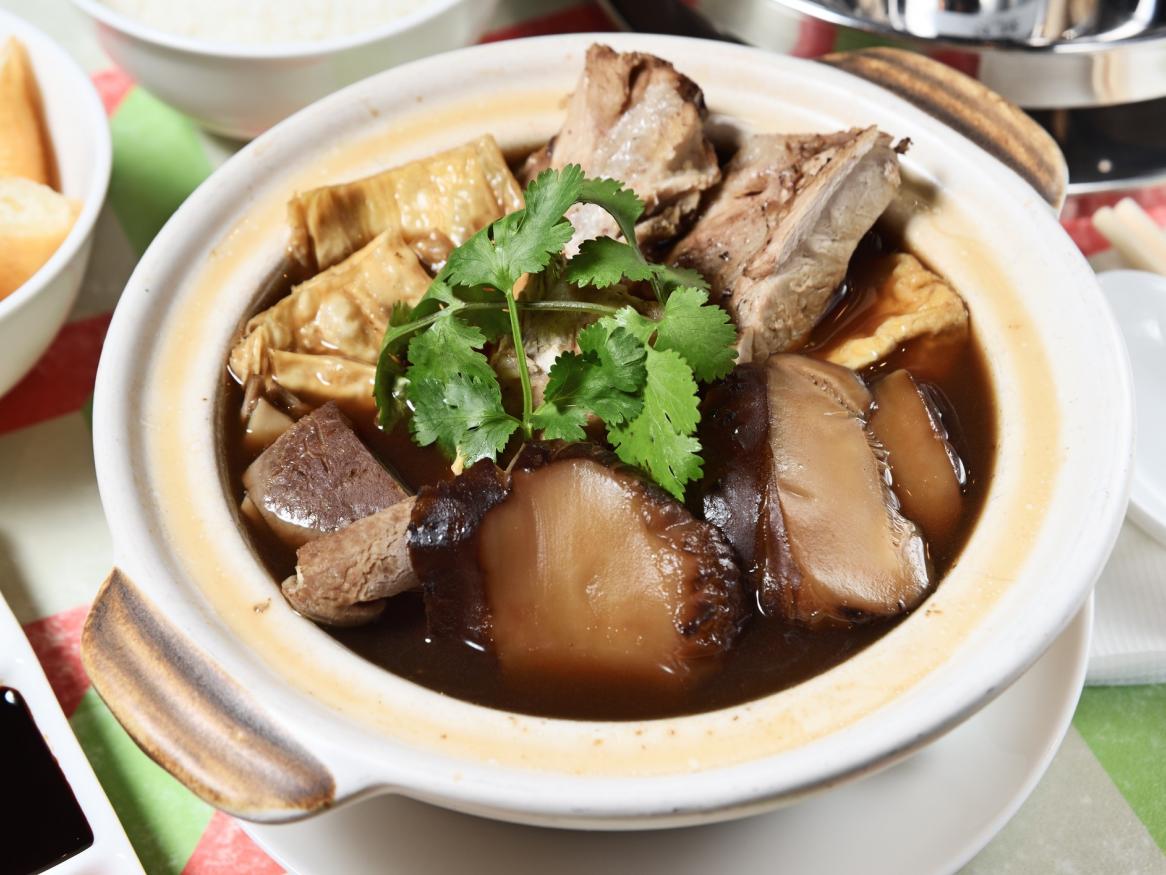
x=239 y=68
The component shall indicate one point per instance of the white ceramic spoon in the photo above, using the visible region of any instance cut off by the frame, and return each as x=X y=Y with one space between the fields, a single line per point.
x=1138 y=300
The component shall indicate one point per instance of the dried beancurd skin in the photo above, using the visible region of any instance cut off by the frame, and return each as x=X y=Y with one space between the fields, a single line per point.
x=321 y=378
x=322 y=340
x=341 y=311
x=457 y=192
x=912 y=302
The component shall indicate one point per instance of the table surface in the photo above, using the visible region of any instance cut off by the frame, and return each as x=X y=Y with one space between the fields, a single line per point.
x=1101 y=808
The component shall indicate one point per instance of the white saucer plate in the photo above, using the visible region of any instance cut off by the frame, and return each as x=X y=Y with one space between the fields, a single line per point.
x=929 y=814
x=1138 y=300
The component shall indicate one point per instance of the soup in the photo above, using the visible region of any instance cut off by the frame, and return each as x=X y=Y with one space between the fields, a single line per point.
x=595 y=571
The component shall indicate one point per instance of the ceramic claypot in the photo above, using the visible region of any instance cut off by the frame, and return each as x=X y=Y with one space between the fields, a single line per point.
x=264 y=715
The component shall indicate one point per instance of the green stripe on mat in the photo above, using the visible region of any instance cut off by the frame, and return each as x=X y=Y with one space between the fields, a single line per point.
x=158 y=160
x=1125 y=727
x=163 y=820
x=848 y=40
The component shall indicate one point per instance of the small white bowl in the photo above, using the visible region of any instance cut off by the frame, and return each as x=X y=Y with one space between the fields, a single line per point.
x=79 y=134
x=241 y=90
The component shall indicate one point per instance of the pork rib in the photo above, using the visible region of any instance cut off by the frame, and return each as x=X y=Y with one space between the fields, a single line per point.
x=776 y=237
x=633 y=117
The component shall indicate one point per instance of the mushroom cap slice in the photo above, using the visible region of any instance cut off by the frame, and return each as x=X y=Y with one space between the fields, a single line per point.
x=581 y=569
x=828 y=544
x=926 y=472
x=855 y=553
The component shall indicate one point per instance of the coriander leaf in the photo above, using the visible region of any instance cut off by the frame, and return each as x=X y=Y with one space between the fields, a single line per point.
x=401 y=324
x=476 y=262
x=523 y=241
x=547 y=198
x=620 y=353
x=660 y=439
x=620 y=202
x=491 y=321
x=560 y=416
x=405 y=320
x=700 y=332
x=401 y=313
x=604 y=379
x=454 y=393
x=636 y=324
x=389 y=391
x=462 y=415
x=389 y=379
x=566 y=400
x=603 y=262
x=672 y=277
x=450 y=343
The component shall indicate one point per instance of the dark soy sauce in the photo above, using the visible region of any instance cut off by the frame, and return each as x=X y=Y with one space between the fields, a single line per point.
x=43 y=824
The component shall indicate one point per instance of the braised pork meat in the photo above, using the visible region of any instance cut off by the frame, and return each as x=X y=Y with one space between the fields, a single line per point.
x=343 y=578
x=633 y=117
x=317 y=478
x=778 y=234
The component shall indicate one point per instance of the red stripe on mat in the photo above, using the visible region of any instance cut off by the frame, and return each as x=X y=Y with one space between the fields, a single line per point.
x=1077 y=217
x=225 y=849
x=56 y=641
x=62 y=381
x=113 y=85
x=575 y=19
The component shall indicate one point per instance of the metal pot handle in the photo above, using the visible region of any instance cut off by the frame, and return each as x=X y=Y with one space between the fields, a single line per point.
x=193 y=720
x=996 y=125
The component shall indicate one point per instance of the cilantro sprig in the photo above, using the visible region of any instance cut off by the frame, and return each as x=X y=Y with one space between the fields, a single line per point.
x=636 y=373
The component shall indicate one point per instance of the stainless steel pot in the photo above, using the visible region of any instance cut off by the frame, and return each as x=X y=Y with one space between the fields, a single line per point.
x=1041 y=54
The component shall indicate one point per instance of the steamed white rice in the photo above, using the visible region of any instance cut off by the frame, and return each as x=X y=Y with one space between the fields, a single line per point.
x=265 y=21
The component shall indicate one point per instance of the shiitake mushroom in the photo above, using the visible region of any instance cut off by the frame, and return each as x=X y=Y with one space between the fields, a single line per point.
x=570 y=563
x=799 y=484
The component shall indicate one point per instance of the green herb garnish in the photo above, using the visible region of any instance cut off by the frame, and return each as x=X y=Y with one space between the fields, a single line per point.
x=635 y=373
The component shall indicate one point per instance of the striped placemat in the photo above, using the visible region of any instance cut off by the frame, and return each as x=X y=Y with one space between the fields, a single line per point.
x=1109 y=781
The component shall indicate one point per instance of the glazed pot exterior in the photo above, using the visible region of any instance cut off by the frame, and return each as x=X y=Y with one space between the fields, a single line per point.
x=190 y=585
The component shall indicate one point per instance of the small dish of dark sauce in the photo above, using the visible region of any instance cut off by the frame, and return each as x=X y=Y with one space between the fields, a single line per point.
x=43 y=823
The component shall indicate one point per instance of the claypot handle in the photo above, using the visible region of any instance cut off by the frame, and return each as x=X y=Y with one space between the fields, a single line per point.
x=192 y=719
x=996 y=125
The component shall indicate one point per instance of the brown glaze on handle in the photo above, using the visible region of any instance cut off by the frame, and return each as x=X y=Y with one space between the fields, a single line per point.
x=965 y=105
x=192 y=719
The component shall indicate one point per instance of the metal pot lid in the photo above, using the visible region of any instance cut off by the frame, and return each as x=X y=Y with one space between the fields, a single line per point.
x=1041 y=54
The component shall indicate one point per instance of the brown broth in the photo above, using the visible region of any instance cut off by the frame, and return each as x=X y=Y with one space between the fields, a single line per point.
x=771 y=654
